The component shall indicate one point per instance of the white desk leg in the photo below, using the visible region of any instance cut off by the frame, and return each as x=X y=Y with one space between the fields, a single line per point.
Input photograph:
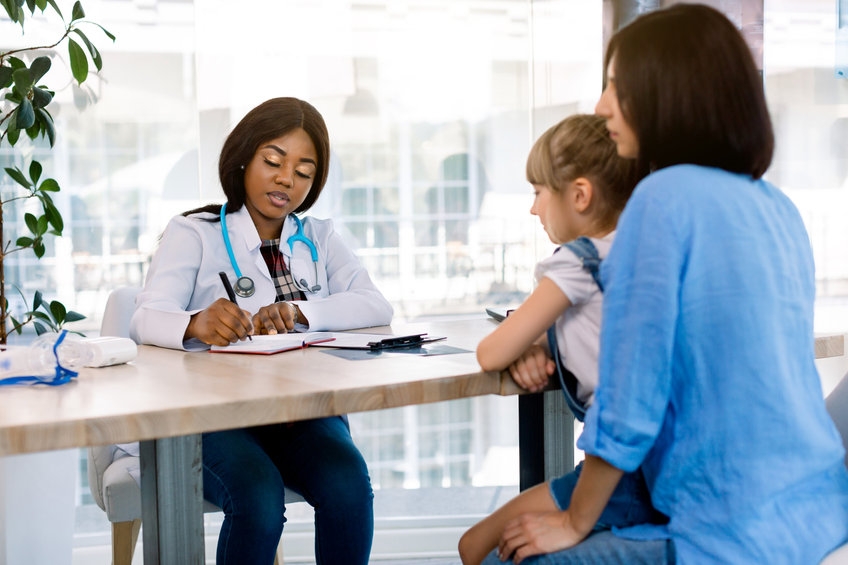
x=172 y=501
x=545 y=437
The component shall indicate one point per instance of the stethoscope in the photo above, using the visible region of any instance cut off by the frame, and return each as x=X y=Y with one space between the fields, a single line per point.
x=245 y=286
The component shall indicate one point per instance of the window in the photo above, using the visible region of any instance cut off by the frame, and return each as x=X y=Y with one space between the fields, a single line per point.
x=432 y=106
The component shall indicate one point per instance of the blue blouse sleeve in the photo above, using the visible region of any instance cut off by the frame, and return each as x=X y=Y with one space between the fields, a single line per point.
x=642 y=275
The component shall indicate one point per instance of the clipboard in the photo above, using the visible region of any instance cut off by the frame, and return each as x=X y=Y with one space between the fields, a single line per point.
x=378 y=342
x=412 y=340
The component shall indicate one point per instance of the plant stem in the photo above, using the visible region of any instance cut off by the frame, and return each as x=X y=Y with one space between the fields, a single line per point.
x=3 y=306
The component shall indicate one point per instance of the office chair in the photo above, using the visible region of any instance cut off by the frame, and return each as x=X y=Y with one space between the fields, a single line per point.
x=837 y=407
x=111 y=467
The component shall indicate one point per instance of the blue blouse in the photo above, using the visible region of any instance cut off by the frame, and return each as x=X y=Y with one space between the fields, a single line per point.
x=707 y=375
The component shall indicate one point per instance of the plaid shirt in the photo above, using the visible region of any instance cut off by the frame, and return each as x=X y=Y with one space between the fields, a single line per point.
x=286 y=290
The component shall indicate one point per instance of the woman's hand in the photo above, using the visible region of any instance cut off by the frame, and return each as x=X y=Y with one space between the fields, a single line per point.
x=220 y=324
x=279 y=317
x=535 y=534
x=532 y=369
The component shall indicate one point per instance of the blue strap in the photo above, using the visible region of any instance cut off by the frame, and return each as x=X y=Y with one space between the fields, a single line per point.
x=567 y=380
x=588 y=254
x=60 y=377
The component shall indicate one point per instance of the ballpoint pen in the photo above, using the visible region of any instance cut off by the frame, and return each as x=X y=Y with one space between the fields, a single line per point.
x=230 y=292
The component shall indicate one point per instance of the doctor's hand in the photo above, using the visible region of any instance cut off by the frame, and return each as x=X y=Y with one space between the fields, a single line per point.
x=221 y=323
x=279 y=317
x=532 y=369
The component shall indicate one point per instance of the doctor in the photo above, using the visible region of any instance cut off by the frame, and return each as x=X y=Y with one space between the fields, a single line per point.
x=272 y=165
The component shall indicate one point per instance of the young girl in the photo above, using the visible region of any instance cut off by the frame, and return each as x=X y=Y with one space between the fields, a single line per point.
x=707 y=379
x=580 y=186
x=272 y=165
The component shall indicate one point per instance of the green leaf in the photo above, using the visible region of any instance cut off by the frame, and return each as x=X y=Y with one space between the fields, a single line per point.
x=78 y=13
x=25 y=114
x=55 y=7
x=38 y=248
x=47 y=126
x=31 y=5
x=14 y=11
x=42 y=225
x=72 y=316
x=12 y=133
x=24 y=242
x=37 y=300
x=16 y=63
x=40 y=328
x=79 y=62
x=42 y=4
x=39 y=68
x=106 y=31
x=58 y=310
x=5 y=76
x=49 y=185
x=33 y=130
x=35 y=171
x=44 y=316
x=95 y=54
x=41 y=97
x=54 y=217
x=23 y=81
x=31 y=222
x=18 y=177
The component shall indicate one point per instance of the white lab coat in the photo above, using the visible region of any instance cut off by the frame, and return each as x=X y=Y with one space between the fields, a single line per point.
x=183 y=278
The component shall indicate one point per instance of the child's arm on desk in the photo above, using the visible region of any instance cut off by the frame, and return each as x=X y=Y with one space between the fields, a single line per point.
x=509 y=345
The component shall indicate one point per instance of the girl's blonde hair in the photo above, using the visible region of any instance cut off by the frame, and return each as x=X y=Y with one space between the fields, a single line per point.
x=580 y=146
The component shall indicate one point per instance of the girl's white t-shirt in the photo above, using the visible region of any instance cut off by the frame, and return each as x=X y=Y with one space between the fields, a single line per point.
x=578 y=329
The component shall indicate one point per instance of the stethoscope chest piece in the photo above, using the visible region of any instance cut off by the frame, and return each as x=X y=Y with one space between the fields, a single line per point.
x=245 y=287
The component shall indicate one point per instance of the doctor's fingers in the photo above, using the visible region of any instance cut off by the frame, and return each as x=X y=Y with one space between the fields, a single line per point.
x=210 y=330
x=274 y=318
x=228 y=321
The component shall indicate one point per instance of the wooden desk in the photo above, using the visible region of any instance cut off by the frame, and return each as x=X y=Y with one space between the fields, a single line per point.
x=167 y=398
x=830 y=345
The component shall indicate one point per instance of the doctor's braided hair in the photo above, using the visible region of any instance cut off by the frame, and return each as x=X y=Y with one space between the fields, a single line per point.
x=272 y=119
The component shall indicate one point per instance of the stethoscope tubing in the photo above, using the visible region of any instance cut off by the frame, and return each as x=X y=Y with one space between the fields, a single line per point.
x=245 y=286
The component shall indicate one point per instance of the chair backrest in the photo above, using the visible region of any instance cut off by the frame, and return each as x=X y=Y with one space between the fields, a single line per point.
x=837 y=406
x=118 y=311
x=116 y=322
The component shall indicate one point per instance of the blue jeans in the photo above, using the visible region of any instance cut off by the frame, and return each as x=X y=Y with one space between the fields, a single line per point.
x=629 y=505
x=603 y=548
x=245 y=471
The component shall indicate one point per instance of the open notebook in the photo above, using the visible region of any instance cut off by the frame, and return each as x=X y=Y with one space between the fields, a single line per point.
x=270 y=344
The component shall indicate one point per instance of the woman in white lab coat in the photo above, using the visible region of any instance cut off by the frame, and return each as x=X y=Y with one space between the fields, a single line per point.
x=273 y=164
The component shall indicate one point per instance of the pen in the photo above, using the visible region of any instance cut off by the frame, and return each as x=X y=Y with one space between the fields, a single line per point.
x=230 y=292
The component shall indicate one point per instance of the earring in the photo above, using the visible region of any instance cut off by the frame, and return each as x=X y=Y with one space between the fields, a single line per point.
x=241 y=167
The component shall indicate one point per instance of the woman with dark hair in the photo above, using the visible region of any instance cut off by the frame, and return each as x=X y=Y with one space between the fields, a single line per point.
x=273 y=165
x=707 y=381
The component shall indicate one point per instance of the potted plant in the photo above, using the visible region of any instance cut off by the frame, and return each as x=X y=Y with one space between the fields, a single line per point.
x=25 y=121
